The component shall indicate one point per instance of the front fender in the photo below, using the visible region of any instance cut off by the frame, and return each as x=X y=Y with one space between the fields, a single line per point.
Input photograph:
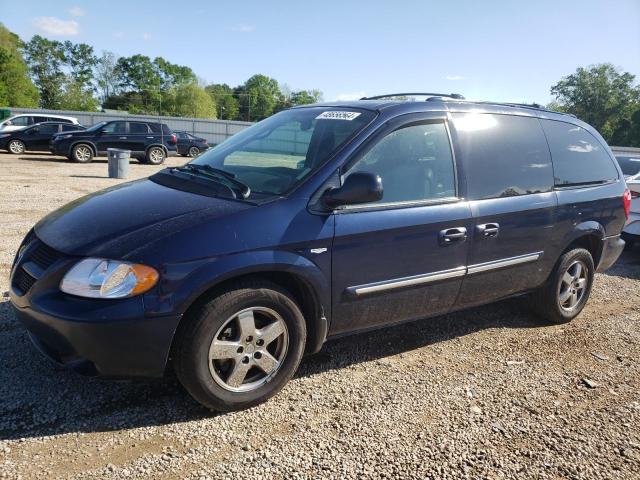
x=183 y=283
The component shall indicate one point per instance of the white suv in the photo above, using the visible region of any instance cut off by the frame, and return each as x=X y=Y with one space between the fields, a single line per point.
x=25 y=119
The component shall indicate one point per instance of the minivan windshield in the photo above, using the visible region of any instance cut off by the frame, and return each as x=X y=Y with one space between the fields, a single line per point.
x=276 y=154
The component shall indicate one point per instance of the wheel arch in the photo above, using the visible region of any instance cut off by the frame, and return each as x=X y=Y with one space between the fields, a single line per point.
x=587 y=235
x=164 y=148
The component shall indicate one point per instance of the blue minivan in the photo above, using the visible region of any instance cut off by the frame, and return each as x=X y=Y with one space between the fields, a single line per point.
x=321 y=221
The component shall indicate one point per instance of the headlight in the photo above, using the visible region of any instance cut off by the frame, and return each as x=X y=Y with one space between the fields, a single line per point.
x=100 y=278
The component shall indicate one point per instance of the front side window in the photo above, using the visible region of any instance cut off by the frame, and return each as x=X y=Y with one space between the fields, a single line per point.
x=115 y=127
x=278 y=153
x=503 y=155
x=578 y=157
x=414 y=162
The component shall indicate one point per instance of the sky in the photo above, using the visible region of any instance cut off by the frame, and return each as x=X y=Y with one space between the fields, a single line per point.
x=490 y=50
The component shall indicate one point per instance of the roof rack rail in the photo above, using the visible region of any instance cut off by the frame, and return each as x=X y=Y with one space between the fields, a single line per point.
x=457 y=96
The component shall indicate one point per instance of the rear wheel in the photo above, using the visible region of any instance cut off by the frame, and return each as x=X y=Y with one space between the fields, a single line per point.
x=155 y=156
x=240 y=348
x=566 y=291
x=82 y=153
x=16 y=147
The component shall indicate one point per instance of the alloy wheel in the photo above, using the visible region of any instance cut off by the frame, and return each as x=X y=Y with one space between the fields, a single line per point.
x=573 y=286
x=248 y=349
x=194 y=151
x=83 y=153
x=156 y=156
x=17 y=147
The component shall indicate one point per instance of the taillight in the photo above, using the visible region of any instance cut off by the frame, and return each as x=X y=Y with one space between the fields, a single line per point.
x=626 y=202
x=174 y=139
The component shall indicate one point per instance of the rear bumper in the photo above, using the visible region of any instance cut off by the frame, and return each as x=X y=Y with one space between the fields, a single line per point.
x=612 y=248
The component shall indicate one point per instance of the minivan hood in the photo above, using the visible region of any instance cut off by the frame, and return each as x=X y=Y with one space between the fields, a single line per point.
x=120 y=219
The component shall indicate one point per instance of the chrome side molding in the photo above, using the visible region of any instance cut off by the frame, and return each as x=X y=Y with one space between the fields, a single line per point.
x=507 y=262
x=373 y=287
x=407 y=281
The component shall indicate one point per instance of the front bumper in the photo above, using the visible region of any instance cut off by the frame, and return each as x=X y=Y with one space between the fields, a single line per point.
x=112 y=338
x=114 y=347
x=612 y=248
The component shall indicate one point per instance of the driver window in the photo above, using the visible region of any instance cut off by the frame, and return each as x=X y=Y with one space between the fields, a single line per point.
x=115 y=127
x=415 y=163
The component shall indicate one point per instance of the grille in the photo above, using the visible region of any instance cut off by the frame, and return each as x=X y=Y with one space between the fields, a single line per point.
x=23 y=281
x=44 y=256
x=37 y=253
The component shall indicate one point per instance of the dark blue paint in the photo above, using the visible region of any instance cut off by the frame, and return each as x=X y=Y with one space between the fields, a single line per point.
x=197 y=242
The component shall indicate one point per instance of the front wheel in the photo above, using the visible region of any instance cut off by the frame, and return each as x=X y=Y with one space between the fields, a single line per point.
x=16 y=147
x=82 y=153
x=566 y=291
x=155 y=156
x=241 y=347
x=194 y=151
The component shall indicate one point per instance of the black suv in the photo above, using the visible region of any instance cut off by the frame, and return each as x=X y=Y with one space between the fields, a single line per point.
x=148 y=142
x=321 y=221
x=35 y=137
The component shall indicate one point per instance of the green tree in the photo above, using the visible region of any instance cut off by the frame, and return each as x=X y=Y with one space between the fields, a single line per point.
x=80 y=60
x=600 y=95
x=76 y=96
x=172 y=74
x=227 y=107
x=16 y=88
x=259 y=97
x=46 y=59
x=190 y=100
x=137 y=73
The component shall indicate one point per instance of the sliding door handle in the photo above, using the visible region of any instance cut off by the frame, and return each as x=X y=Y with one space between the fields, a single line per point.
x=488 y=229
x=453 y=235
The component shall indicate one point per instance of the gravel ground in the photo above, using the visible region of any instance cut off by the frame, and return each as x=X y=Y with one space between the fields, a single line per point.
x=485 y=393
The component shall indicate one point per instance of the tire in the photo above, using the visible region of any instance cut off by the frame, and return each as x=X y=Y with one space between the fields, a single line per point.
x=554 y=301
x=16 y=147
x=216 y=351
x=194 y=151
x=82 y=153
x=155 y=156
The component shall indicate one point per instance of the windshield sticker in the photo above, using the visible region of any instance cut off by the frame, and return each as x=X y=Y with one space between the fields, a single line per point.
x=338 y=115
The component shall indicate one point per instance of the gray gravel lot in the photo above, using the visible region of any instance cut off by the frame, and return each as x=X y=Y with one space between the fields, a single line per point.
x=485 y=393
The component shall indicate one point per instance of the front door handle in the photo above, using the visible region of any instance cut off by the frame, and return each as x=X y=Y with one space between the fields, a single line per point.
x=122 y=138
x=488 y=229
x=453 y=235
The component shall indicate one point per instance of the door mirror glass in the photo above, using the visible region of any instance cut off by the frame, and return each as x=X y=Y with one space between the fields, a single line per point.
x=359 y=187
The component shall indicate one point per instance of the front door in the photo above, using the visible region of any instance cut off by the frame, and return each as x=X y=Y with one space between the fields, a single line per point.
x=113 y=135
x=403 y=257
x=509 y=178
x=39 y=140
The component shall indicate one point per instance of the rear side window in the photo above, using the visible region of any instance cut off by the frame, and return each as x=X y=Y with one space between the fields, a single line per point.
x=578 y=157
x=503 y=155
x=68 y=128
x=138 y=127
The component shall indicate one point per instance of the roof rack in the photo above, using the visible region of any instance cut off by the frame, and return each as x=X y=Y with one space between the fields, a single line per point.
x=457 y=96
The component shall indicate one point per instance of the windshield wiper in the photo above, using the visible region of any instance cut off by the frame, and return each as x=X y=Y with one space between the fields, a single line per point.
x=219 y=175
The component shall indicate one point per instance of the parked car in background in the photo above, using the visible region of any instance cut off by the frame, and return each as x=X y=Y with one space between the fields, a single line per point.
x=35 y=137
x=189 y=145
x=149 y=142
x=26 y=119
x=631 y=232
x=630 y=164
x=321 y=221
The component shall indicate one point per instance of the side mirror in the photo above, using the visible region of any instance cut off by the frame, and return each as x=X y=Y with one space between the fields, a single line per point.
x=359 y=187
